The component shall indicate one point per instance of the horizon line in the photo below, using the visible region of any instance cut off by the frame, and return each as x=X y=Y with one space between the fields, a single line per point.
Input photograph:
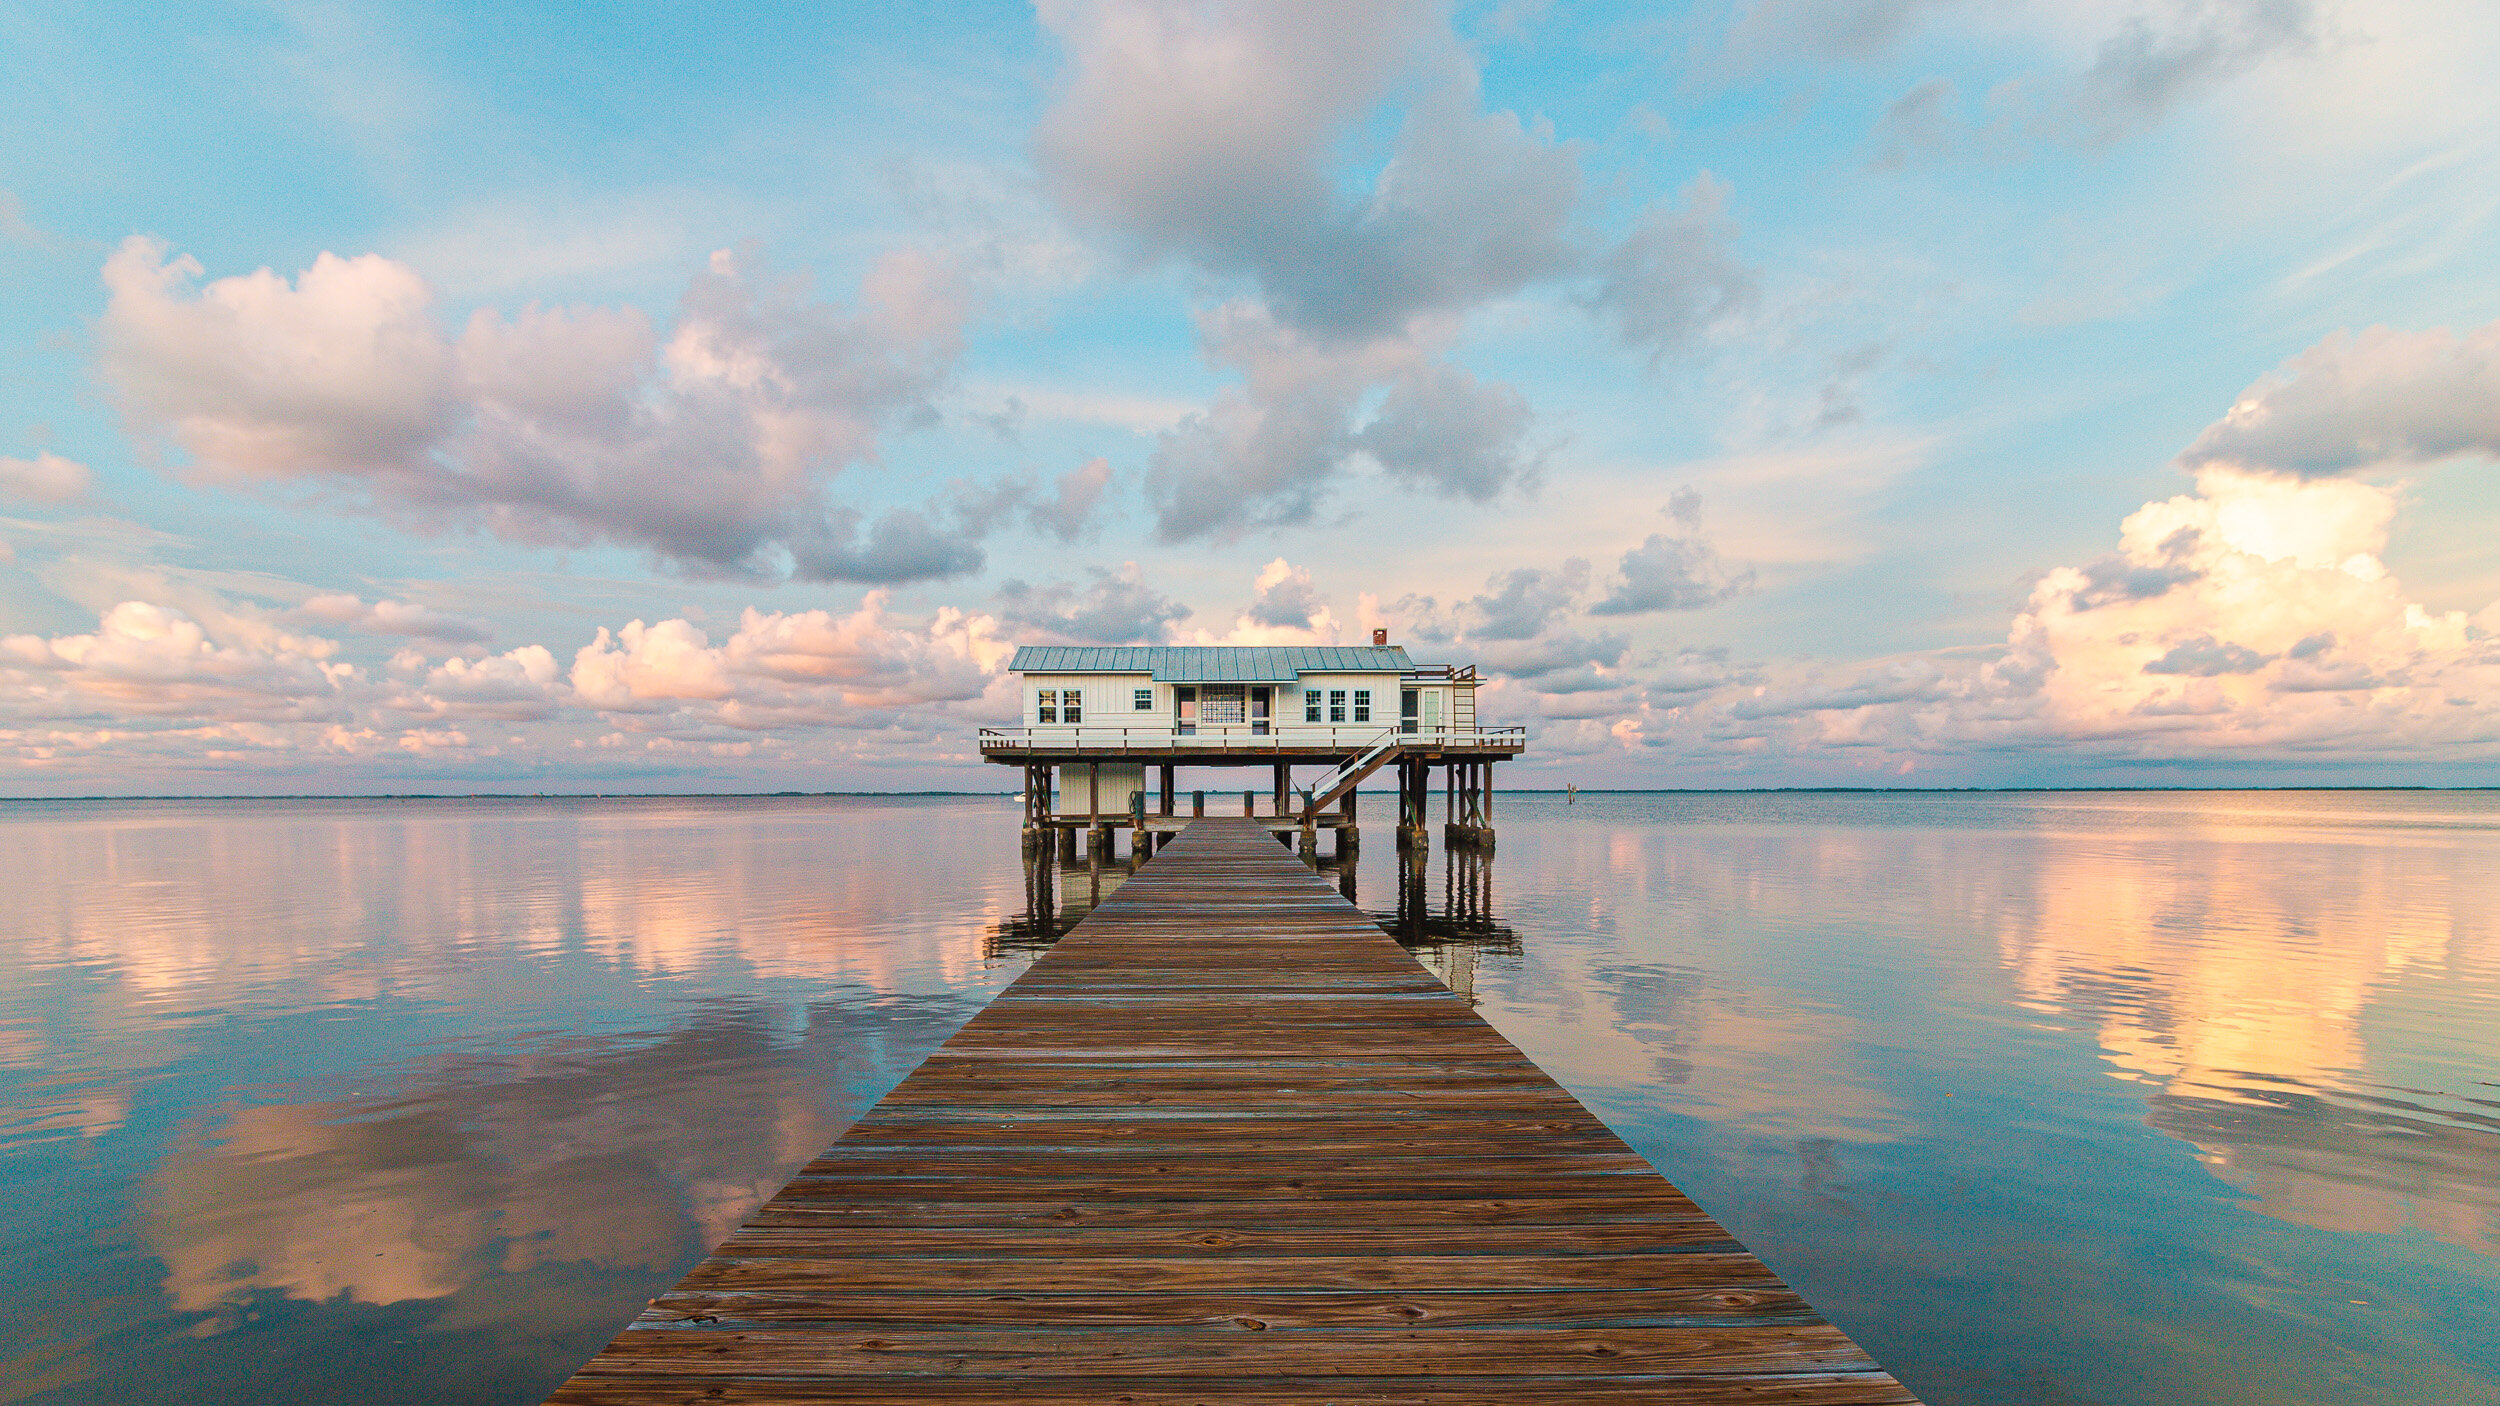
x=1514 y=791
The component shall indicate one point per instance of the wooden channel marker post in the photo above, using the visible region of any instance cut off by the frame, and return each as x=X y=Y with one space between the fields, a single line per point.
x=1227 y=1141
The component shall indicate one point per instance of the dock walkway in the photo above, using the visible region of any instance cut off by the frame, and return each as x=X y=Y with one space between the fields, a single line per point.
x=1228 y=1142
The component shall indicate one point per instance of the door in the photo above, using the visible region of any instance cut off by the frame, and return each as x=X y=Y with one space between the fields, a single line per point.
x=1261 y=699
x=1407 y=709
x=1432 y=710
x=1185 y=704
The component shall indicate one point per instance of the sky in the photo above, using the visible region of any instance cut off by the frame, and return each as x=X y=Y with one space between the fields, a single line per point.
x=432 y=397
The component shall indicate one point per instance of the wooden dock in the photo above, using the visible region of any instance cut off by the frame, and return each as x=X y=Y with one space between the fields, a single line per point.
x=1228 y=1142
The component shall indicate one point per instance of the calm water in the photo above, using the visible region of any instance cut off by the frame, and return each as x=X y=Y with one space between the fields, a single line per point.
x=2075 y=1098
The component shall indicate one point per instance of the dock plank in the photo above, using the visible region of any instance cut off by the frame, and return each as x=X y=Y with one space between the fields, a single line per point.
x=1227 y=1142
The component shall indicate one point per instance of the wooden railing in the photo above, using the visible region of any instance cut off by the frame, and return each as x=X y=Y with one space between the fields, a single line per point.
x=1240 y=737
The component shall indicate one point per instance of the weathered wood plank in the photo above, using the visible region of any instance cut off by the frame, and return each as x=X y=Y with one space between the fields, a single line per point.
x=1440 y=1351
x=1509 y=1389
x=1226 y=1142
x=1248 y=1312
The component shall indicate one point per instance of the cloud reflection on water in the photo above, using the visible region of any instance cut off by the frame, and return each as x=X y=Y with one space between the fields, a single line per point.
x=2268 y=990
x=451 y=1085
x=583 y=1156
x=2286 y=975
x=2124 y=1098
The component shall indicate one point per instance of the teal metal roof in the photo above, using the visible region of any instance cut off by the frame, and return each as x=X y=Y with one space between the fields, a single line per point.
x=1212 y=663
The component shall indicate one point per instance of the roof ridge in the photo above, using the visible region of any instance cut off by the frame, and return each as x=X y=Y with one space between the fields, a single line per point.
x=1211 y=663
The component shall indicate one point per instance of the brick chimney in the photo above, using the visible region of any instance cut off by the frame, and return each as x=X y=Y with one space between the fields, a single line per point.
x=1380 y=639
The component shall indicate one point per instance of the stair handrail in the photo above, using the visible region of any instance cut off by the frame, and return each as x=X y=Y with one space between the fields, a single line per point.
x=1354 y=768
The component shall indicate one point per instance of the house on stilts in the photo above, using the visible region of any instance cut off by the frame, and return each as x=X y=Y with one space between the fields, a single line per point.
x=1105 y=730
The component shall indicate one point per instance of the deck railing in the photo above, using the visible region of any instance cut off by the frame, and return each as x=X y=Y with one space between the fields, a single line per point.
x=1240 y=737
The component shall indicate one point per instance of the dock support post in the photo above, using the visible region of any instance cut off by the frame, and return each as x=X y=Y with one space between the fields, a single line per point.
x=1031 y=831
x=1247 y=809
x=1414 y=782
x=1167 y=789
x=1483 y=824
x=1284 y=782
x=1198 y=804
x=1472 y=782
x=1097 y=834
x=1349 y=835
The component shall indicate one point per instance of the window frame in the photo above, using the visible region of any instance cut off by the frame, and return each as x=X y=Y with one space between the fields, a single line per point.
x=1336 y=705
x=1362 y=705
x=1072 y=706
x=1144 y=700
x=1310 y=705
x=1046 y=705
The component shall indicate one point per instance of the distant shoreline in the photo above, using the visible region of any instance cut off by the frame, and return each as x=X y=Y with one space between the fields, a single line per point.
x=1584 y=791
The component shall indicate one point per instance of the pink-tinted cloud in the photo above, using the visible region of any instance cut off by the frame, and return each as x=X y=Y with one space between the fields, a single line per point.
x=2360 y=401
x=2252 y=619
x=712 y=444
x=46 y=478
x=803 y=669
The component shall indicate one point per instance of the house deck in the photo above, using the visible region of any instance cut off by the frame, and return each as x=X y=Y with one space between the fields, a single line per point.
x=1228 y=1142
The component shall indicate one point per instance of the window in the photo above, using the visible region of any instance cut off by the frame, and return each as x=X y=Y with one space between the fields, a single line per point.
x=1145 y=700
x=1336 y=705
x=1071 y=706
x=1407 y=708
x=1310 y=705
x=1223 y=703
x=1362 y=705
x=1046 y=706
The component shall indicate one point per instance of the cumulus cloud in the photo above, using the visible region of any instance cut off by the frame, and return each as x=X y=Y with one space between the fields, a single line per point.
x=1077 y=495
x=1218 y=137
x=340 y=610
x=46 y=478
x=2265 y=626
x=804 y=668
x=1675 y=277
x=1209 y=133
x=1213 y=135
x=711 y=444
x=2361 y=401
x=1520 y=603
x=1439 y=427
x=519 y=685
x=1286 y=607
x=1549 y=655
x=901 y=544
x=146 y=661
x=1265 y=452
x=1117 y=608
x=1674 y=571
x=156 y=684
